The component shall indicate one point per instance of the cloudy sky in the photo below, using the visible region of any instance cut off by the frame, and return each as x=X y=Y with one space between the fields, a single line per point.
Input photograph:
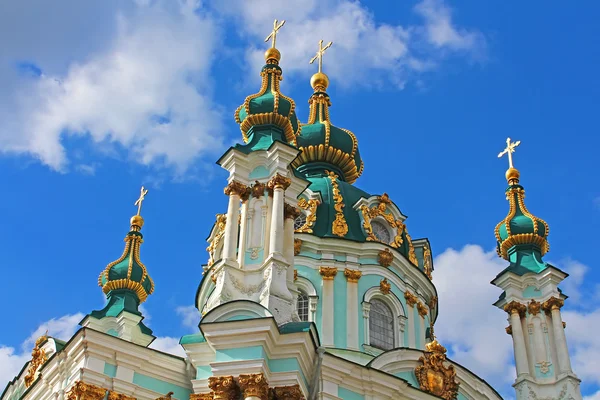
x=97 y=98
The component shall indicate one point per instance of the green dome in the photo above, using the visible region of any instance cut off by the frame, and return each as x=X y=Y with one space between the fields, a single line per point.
x=326 y=146
x=269 y=106
x=128 y=272
x=520 y=227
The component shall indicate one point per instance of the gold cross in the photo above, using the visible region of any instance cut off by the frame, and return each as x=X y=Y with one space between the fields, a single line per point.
x=320 y=53
x=510 y=148
x=273 y=35
x=138 y=202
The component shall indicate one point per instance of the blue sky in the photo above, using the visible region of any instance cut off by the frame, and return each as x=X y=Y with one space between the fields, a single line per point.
x=97 y=100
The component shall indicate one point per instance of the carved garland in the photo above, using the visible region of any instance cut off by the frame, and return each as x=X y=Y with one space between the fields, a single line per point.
x=310 y=206
x=339 y=227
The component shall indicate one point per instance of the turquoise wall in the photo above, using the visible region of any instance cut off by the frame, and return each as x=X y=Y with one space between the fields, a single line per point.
x=259 y=172
x=348 y=394
x=159 y=386
x=339 y=305
x=110 y=370
x=314 y=277
x=408 y=376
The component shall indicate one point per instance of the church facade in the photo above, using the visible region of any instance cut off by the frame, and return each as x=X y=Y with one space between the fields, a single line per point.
x=313 y=289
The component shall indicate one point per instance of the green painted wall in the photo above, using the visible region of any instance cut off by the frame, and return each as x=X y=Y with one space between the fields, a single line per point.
x=348 y=394
x=408 y=376
x=259 y=172
x=161 y=387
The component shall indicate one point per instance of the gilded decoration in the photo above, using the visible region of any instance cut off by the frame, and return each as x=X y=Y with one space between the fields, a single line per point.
x=38 y=358
x=295 y=275
x=118 y=396
x=290 y=211
x=288 y=393
x=534 y=307
x=254 y=385
x=86 y=391
x=328 y=273
x=258 y=189
x=564 y=325
x=427 y=262
x=202 y=396
x=223 y=387
x=411 y=299
x=310 y=206
x=508 y=329
x=297 y=246
x=279 y=182
x=433 y=302
x=220 y=231
x=385 y=257
x=384 y=286
x=339 y=227
x=422 y=309
x=434 y=376
x=515 y=307
x=238 y=189
x=167 y=396
x=352 y=275
x=412 y=257
x=553 y=303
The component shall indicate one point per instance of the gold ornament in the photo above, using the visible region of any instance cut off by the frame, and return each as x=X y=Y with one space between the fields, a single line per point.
x=328 y=273
x=508 y=329
x=411 y=299
x=167 y=396
x=380 y=210
x=311 y=207
x=288 y=393
x=290 y=211
x=254 y=385
x=352 y=275
x=297 y=246
x=295 y=275
x=258 y=189
x=385 y=257
x=220 y=231
x=534 y=307
x=412 y=257
x=435 y=377
x=339 y=227
x=279 y=182
x=38 y=358
x=384 y=286
x=515 y=307
x=433 y=302
x=202 y=396
x=223 y=387
x=237 y=188
x=553 y=303
x=118 y=396
x=86 y=391
x=427 y=262
x=422 y=309
x=273 y=35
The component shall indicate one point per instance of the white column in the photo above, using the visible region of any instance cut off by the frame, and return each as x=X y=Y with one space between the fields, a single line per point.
x=269 y=212
x=422 y=328
x=288 y=247
x=410 y=316
x=366 y=307
x=562 y=351
x=233 y=190
x=515 y=310
x=352 y=277
x=327 y=325
x=243 y=232
x=278 y=184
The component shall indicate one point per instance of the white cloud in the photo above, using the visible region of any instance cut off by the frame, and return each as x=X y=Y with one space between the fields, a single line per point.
x=145 y=89
x=168 y=345
x=190 y=316
x=363 y=47
x=584 y=346
x=595 y=396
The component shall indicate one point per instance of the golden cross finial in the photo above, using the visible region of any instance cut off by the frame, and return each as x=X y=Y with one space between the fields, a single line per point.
x=320 y=53
x=273 y=34
x=510 y=148
x=138 y=202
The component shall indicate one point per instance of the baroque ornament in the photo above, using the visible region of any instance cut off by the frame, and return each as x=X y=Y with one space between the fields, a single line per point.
x=411 y=299
x=352 y=275
x=201 y=396
x=328 y=273
x=86 y=391
x=254 y=385
x=384 y=286
x=508 y=329
x=223 y=387
x=219 y=232
x=118 y=396
x=427 y=261
x=534 y=307
x=515 y=307
x=290 y=211
x=385 y=257
x=258 y=189
x=339 y=227
x=167 y=396
x=38 y=358
x=553 y=303
x=310 y=206
x=297 y=246
x=435 y=377
x=422 y=309
x=288 y=393
x=279 y=182
x=237 y=189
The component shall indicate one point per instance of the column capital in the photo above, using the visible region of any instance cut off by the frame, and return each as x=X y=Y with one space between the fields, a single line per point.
x=279 y=182
x=238 y=189
x=534 y=307
x=352 y=275
x=288 y=393
x=553 y=303
x=411 y=299
x=422 y=309
x=328 y=273
x=85 y=391
x=223 y=387
x=202 y=396
x=254 y=385
x=117 y=396
x=258 y=189
x=289 y=211
x=515 y=307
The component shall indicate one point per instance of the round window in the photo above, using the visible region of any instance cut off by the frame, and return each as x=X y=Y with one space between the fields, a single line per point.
x=381 y=232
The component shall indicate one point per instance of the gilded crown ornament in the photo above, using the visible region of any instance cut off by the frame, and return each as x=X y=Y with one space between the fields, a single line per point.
x=385 y=257
x=38 y=358
x=384 y=286
x=433 y=375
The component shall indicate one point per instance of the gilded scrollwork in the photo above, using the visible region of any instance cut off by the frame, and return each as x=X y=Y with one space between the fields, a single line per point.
x=384 y=286
x=279 y=182
x=422 y=309
x=258 y=189
x=310 y=206
x=290 y=211
x=223 y=387
x=433 y=375
x=254 y=385
x=515 y=307
x=202 y=396
x=534 y=307
x=38 y=358
x=411 y=299
x=385 y=257
x=352 y=275
x=553 y=303
x=339 y=227
x=238 y=189
x=427 y=262
x=86 y=391
x=297 y=246
x=220 y=231
x=328 y=273
x=118 y=396
x=292 y=392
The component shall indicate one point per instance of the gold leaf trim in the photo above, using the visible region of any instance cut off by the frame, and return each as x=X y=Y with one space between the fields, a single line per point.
x=310 y=206
x=339 y=227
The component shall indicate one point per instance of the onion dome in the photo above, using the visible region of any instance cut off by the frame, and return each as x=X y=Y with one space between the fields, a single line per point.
x=128 y=272
x=520 y=232
x=269 y=107
x=325 y=146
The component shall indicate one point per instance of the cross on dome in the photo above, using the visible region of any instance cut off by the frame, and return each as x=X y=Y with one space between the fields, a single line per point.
x=510 y=148
x=320 y=53
x=273 y=35
x=138 y=202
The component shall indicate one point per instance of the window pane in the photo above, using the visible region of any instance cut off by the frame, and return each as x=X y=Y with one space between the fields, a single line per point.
x=381 y=326
x=300 y=221
x=303 y=306
x=381 y=232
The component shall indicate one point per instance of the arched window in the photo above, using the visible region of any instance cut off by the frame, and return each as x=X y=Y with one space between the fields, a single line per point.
x=381 y=232
x=303 y=306
x=300 y=221
x=381 y=325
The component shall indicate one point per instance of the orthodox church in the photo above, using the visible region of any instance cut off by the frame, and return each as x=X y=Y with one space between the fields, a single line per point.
x=313 y=288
